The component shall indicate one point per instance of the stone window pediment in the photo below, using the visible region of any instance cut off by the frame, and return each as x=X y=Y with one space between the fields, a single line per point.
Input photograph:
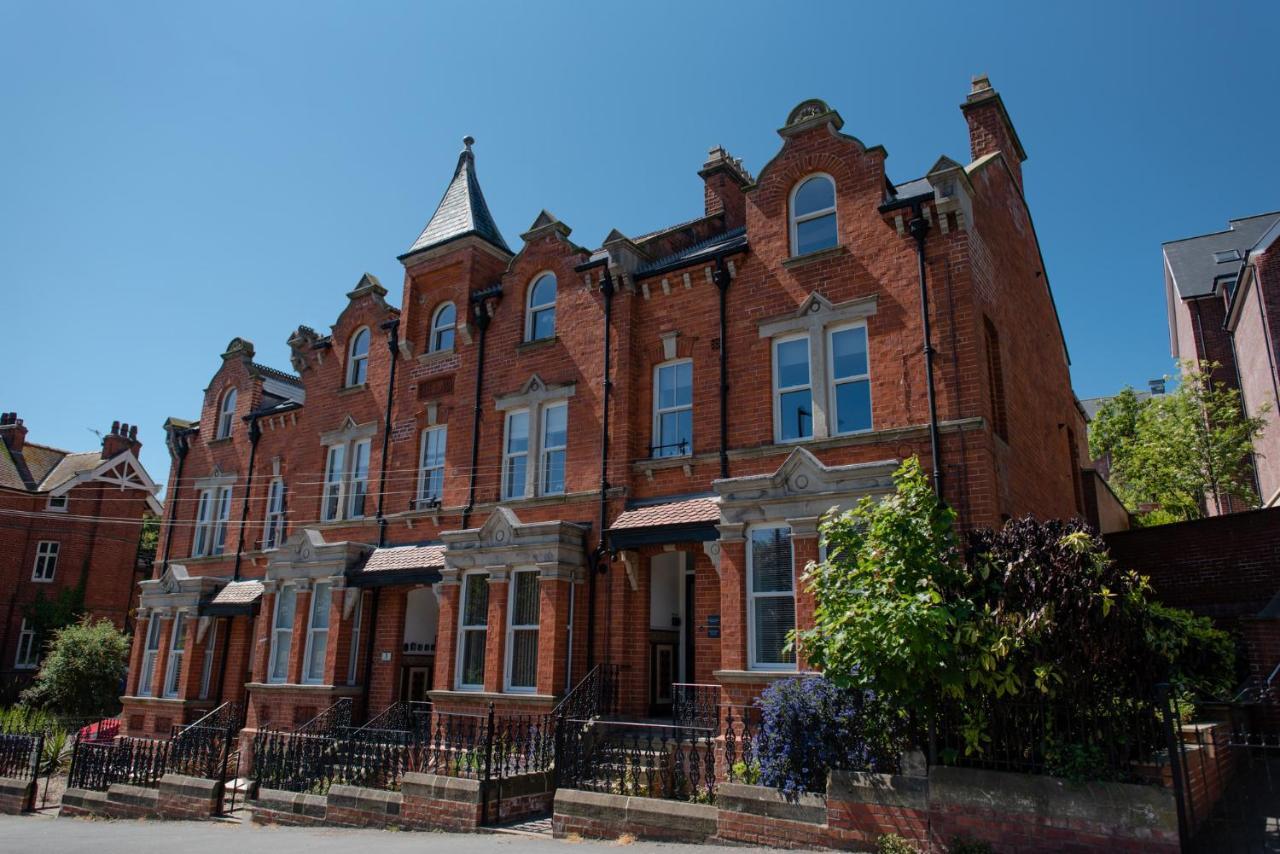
x=534 y=393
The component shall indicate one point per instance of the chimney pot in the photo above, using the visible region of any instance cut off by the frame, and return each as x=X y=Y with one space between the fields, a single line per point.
x=133 y=433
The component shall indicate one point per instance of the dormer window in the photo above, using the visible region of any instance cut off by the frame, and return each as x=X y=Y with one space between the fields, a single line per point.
x=540 y=316
x=813 y=215
x=442 y=328
x=226 y=414
x=358 y=359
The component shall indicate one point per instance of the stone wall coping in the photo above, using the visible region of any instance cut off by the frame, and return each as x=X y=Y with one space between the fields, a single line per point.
x=1116 y=805
x=301 y=803
x=86 y=799
x=366 y=800
x=437 y=787
x=192 y=787
x=126 y=793
x=623 y=810
x=861 y=787
x=767 y=801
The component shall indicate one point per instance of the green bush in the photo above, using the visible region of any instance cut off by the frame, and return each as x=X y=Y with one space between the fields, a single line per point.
x=892 y=843
x=82 y=671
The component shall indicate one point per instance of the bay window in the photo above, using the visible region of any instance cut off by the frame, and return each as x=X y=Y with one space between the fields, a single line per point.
x=177 y=648
x=522 y=631
x=473 y=628
x=771 y=601
x=282 y=633
x=150 y=651
x=317 y=634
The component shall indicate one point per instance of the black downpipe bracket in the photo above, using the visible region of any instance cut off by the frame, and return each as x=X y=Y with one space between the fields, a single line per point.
x=255 y=433
x=722 y=278
x=392 y=328
x=919 y=228
x=481 y=315
x=180 y=443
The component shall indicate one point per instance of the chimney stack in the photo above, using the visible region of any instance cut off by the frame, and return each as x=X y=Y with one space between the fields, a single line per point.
x=15 y=435
x=122 y=437
x=990 y=129
x=725 y=179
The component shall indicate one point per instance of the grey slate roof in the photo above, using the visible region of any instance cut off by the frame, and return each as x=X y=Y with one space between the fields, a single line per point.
x=40 y=468
x=276 y=373
x=734 y=238
x=911 y=189
x=1192 y=261
x=462 y=211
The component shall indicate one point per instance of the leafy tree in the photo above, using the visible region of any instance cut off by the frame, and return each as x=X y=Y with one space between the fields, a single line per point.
x=81 y=672
x=149 y=539
x=49 y=614
x=1173 y=454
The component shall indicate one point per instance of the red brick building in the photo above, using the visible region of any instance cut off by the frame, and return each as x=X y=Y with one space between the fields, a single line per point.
x=550 y=457
x=67 y=520
x=1223 y=296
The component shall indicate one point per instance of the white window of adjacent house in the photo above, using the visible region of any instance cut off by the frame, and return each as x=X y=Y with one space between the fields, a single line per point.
x=771 y=601
x=28 y=652
x=431 y=466
x=149 y=653
x=515 y=456
x=850 y=379
x=442 y=328
x=555 y=439
x=357 y=621
x=274 y=529
x=46 y=560
x=177 y=648
x=358 y=487
x=540 y=314
x=522 y=631
x=813 y=215
x=317 y=635
x=226 y=414
x=282 y=633
x=358 y=358
x=793 y=389
x=206 y=667
x=57 y=502
x=334 y=477
x=472 y=629
x=673 y=409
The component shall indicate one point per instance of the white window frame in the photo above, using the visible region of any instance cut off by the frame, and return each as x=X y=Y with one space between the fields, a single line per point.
x=150 y=652
x=313 y=630
x=226 y=414
x=752 y=596
x=200 y=539
x=833 y=382
x=508 y=455
x=46 y=565
x=273 y=527
x=206 y=667
x=779 y=390
x=365 y=445
x=464 y=627
x=657 y=449
x=439 y=330
x=358 y=363
x=27 y=655
x=545 y=450
x=795 y=219
x=177 y=651
x=63 y=503
x=221 y=519
x=335 y=483
x=276 y=629
x=513 y=627
x=439 y=432
x=532 y=309
x=357 y=622
x=213 y=513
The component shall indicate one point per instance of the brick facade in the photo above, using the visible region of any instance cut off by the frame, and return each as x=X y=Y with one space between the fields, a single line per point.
x=89 y=507
x=599 y=602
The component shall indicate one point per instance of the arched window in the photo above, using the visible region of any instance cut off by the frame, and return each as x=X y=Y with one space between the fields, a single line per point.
x=442 y=324
x=813 y=215
x=226 y=414
x=358 y=359
x=540 y=316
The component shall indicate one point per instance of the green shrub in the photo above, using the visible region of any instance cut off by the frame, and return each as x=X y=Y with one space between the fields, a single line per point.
x=965 y=845
x=82 y=672
x=892 y=843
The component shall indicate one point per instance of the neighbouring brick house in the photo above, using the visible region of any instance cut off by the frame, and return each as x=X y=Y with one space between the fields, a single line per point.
x=552 y=457
x=1223 y=296
x=67 y=520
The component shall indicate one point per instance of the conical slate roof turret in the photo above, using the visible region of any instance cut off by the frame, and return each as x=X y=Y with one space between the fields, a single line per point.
x=462 y=211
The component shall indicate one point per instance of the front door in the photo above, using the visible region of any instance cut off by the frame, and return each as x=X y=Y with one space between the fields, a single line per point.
x=666 y=628
x=417 y=683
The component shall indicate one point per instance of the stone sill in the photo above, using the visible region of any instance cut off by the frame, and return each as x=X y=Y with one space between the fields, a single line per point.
x=871 y=437
x=752 y=677
x=225 y=440
x=166 y=701
x=493 y=696
x=530 y=346
x=352 y=389
x=336 y=690
x=814 y=257
x=436 y=356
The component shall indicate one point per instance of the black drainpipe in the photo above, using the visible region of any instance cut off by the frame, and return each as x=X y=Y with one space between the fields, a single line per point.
x=393 y=345
x=368 y=653
x=481 y=314
x=722 y=278
x=919 y=228
x=180 y=445
x=255 y=433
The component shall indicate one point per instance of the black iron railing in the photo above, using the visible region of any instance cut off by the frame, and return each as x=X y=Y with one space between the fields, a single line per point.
x=140 y=762
x=740 y=726
x=695 y=705
x=20 y=755
x=399 y=723
x=638 y=760
x=336 y=718
x=596 y=694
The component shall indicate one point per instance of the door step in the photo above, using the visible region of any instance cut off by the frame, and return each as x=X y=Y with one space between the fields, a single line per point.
x=535 y=826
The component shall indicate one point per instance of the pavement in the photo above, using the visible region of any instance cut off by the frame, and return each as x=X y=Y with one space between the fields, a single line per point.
x=38 y=834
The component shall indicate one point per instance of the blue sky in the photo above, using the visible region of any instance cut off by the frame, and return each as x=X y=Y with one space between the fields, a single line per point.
x=175 y=175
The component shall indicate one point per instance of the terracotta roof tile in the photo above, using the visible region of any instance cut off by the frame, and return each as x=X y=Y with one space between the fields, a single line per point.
x=405 y=557
x=685 y=512
x=238 y=593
